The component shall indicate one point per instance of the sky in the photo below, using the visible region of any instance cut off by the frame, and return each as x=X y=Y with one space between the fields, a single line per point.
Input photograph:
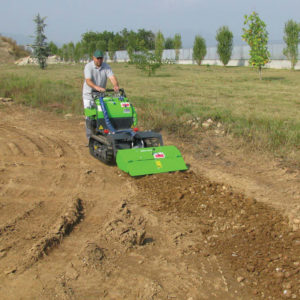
x=67 y=20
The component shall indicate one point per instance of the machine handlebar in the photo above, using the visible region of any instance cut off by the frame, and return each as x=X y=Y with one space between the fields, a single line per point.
x=109 y=92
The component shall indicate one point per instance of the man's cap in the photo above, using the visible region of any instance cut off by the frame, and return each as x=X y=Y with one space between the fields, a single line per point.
x=98 y=53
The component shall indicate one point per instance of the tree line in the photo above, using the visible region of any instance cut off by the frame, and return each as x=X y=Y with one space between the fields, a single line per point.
x=145 y=48
x=132 y=41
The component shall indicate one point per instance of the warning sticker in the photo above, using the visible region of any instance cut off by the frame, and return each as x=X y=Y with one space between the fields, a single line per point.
x=158 y=164
x=159 y=155
x=125 y=104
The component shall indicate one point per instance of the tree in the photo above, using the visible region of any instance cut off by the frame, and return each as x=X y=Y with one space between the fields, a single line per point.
x=123 y=39
x=91 y=48
x=65 y=52
x=112 y=48
x=148 y=37
x=119 y=42
x=177 y=45
x=224 y=38
x=85 y=54
x=71 y=51
x=53 y=49
x=132 y=41
x=159 y=46
x=146 y=61
x=256 y=36
x=78 y=52
x=292 y=39
x=106 y=36
x=169 y=43
x=101 y=45
x=130 y=52
x=60 y=53
x=40 y=46
x=199 y=49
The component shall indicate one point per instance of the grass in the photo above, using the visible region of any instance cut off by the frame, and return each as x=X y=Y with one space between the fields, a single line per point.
x=265 y=113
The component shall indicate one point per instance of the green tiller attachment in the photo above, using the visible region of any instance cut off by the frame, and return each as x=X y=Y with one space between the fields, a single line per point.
x=152 y=160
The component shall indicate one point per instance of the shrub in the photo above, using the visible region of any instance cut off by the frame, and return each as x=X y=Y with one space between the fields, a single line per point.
x=146 y=61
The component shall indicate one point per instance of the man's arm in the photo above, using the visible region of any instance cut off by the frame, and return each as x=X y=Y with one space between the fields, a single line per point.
x=114 y=82
x=94 y=86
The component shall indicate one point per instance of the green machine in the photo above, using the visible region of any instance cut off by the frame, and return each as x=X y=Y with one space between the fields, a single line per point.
x=116 y=139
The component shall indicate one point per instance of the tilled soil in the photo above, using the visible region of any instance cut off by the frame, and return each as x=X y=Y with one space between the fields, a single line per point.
x=254 y=239
x=73 y=228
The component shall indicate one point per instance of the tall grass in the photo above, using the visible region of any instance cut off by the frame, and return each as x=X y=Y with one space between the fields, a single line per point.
x=265 y=114
x=41 y=89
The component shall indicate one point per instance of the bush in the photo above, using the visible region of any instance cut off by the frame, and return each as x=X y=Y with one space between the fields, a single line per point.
x=146 y=61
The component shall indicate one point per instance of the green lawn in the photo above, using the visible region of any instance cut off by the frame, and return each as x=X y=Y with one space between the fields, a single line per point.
x=266 y=113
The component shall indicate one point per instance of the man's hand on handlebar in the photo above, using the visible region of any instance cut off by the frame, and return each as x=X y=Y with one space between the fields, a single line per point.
x=100 y=89
x=116 y=88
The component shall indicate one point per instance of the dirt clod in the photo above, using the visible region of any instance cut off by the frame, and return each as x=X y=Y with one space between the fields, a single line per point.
x=91 y=255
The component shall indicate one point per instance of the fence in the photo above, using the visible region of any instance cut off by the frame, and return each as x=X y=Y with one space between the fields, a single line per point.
x=239 y=57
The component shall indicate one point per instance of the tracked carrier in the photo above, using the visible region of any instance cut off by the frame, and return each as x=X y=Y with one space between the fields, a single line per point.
x=116 y=138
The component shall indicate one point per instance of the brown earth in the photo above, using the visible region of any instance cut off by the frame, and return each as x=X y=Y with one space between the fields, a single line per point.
x=74 y=228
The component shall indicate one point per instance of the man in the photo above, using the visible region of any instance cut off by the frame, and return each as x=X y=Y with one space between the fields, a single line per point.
x=96 y=73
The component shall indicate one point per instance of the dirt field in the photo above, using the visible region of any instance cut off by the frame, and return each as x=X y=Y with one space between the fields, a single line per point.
x=73 y=228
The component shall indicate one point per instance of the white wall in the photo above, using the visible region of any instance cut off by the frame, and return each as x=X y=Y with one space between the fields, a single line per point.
x=240 y=57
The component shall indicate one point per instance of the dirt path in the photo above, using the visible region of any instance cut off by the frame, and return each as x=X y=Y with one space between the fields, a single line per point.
x=73 y=228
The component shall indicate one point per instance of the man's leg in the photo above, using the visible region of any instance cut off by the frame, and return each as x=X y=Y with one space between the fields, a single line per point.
x=88 y=124
x=88 y=128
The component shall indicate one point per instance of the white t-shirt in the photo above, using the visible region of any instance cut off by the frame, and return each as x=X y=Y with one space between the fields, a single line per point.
x=97 y=75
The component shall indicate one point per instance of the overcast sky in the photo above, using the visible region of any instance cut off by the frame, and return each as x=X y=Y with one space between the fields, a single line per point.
x=67 y=20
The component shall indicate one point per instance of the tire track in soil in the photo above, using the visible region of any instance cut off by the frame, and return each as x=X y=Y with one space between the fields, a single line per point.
x=34 y=144
x=11 y=225
x=61 y=172
x=27 y=176
x=254 y=239
x=19 y=237
x=64 y=226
